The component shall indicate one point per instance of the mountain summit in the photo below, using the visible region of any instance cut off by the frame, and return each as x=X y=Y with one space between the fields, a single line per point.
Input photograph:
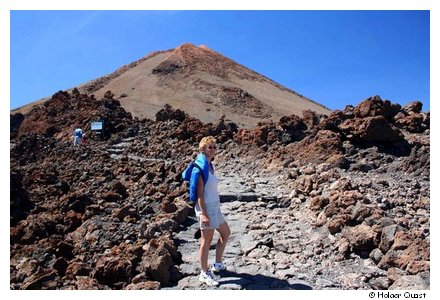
x=203 y=83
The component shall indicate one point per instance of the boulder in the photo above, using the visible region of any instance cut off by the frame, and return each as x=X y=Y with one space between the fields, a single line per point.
x=370 y=130
x=375 y=106
x=361 y=238
x=159 y=259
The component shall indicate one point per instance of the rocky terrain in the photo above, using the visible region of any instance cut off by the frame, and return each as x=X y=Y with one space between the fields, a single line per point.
x=338 y=201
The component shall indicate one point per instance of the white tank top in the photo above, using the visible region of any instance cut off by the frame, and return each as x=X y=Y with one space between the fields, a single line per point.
x=210 y=191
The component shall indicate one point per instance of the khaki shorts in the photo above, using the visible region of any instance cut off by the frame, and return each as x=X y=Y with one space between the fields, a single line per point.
x=216 y=218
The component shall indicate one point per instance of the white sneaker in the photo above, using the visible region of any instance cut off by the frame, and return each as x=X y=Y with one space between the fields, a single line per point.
x=208 y=278
x=217 y=267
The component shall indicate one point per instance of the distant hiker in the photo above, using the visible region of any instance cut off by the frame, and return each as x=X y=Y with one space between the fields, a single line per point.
x=208 y=211
x=77 y=136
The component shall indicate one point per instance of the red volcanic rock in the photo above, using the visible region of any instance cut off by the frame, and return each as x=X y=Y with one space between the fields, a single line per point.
x=44 y=279
x=361 y=237
x=258 y=136
x=333 y=121
x=415 y=107
x=146 y=285
x=318 y=202
x=79 y=215
x=167 y=113
x=87 y=283
x=415 y=267
x=158 y=260
x=374 y=121
x=336 y=224
x=36 y=227
x=150 y=229
x=407 y=248
x=319 y=148
x=375 y=106
x=370 y=129
x=64 y=112
x=78 y=269
x=414 y=122
x=113 y=269
x=311 y=118
x=72 y=220
x=125 y=211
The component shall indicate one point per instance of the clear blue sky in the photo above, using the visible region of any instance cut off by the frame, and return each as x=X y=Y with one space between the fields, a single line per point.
x=333 y=57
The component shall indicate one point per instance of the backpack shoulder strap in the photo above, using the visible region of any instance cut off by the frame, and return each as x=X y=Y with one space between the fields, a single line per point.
x=200 y=169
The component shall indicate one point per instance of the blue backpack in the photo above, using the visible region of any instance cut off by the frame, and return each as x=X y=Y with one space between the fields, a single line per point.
x=78 y=132
x=192 y=173
x=186 y=175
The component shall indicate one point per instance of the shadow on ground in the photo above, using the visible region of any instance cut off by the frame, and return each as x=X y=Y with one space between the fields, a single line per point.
x=259 y=282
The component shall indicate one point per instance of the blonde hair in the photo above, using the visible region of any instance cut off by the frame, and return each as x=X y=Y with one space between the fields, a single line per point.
x=207 y=140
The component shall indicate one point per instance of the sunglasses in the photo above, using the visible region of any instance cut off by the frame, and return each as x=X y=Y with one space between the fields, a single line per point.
x=212 y=147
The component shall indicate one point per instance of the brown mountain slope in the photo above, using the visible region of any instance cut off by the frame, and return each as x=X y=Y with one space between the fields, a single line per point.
x=201 y=82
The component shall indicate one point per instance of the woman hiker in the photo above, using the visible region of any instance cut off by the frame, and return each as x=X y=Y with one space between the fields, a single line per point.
x=208 y=211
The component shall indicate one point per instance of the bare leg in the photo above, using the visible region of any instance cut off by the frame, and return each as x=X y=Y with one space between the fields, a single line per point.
x=205 y=243
x=225 y=232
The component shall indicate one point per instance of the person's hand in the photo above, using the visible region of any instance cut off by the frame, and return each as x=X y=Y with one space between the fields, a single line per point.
x=205 y=220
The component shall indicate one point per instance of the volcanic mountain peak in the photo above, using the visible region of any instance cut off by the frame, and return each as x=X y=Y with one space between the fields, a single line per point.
x=200 y=81
x=188 y=51
x=204 y=47
x=191 y=49
x=188 y=57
